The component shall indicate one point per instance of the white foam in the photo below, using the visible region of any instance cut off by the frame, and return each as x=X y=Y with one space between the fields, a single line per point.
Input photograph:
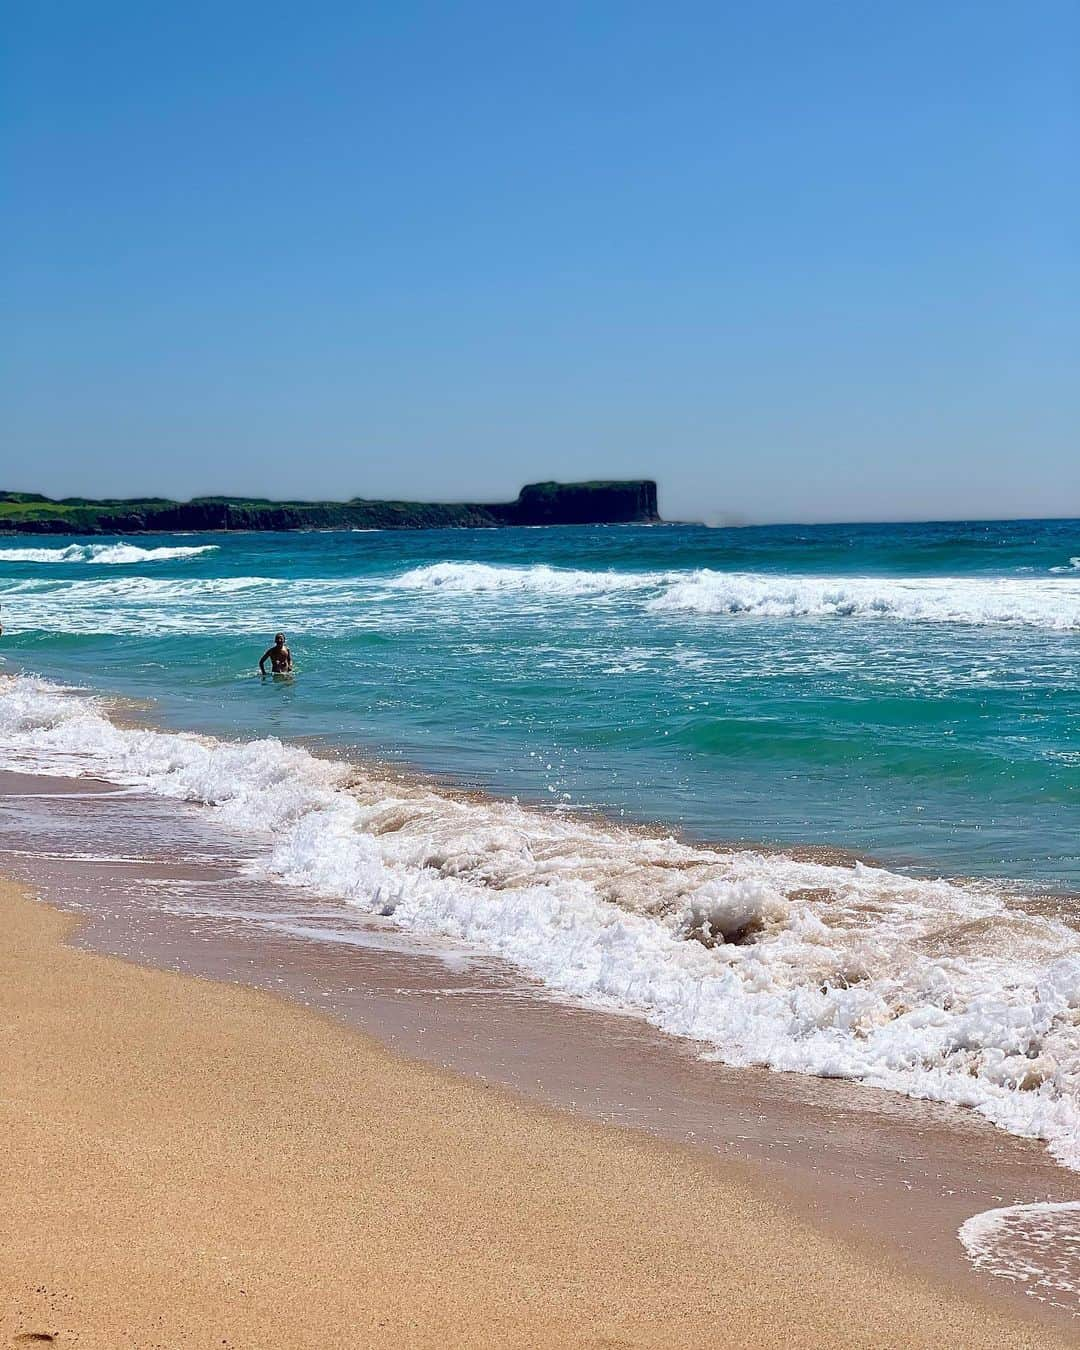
x=1036 y=1246
x=469 y=578
x=1035 y=602
x=940 y=991
x=130 y=603
x=123 y=603
x=107 y=554
x=1074 y=566
x=1024 y=601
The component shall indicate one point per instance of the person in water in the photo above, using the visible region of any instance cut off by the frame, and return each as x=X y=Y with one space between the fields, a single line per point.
x=278 y=655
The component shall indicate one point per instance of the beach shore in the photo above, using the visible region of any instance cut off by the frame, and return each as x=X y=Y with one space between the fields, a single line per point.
x=191 y=1163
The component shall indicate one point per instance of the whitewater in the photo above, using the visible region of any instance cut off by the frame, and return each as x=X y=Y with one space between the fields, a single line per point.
x=88 y=605
x=950 y=992
x=102 y=554
x=1036 y=1246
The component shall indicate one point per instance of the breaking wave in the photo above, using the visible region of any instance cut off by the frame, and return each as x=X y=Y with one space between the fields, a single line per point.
x=98 y=603
x=126 y=604
x=470 y=578
x=967 y=600
x=102 y=554
x=942 y=991
x=1033 y=602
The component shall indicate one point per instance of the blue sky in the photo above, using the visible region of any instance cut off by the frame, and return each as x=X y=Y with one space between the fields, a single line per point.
x=797 y=261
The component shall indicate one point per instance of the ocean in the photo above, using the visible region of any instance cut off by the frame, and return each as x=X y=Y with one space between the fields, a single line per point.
x=805 y=794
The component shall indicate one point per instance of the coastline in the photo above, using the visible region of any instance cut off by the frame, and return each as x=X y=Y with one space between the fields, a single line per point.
x=596 y=502
x=152 y=882
x=192 y=1162
x=369 y=760
x=170 y=880
x=623 y=920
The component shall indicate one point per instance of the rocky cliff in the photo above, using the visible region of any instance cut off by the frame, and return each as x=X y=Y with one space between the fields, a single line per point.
x=618 y=501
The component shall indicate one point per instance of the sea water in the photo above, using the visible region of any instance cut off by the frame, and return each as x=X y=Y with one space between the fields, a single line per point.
x=908 y=694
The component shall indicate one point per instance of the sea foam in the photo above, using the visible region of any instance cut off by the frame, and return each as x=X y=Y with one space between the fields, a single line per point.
x=948 y=992
x=131 y=603
x=102 y=554
x=1036 y=1246
x=1025 y=602
x=471 y=578
x=1033 y=602
x=128 y=601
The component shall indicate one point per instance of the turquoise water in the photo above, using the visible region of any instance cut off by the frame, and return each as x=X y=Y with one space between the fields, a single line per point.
x=911 y=692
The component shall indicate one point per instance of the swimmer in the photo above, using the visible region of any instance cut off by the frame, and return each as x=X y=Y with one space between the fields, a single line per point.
x=278 y=655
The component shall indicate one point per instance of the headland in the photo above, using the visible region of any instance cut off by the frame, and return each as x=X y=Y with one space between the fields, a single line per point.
x=612 y=502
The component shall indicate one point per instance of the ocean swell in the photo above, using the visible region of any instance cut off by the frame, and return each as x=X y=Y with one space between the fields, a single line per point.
x=968 y=600
x=1011 y=601
x=126 y=604
x=106 y=603
x=102 y=554
x=940 y=991
x=471 y=578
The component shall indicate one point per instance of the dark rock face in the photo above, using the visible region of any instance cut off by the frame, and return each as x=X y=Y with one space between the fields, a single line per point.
x=619 y=502
x=597 y=503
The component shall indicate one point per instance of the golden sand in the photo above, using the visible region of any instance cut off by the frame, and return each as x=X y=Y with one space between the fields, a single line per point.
x=187 y=1163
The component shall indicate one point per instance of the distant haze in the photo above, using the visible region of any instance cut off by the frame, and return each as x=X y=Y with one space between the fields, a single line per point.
x=795 y=262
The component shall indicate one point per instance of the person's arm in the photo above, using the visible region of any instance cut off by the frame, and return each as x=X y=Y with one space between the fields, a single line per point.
x=263 y=660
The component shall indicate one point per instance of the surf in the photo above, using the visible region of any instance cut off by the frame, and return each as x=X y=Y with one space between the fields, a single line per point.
x=104 y=555
x=972 y=600
x=944 y=991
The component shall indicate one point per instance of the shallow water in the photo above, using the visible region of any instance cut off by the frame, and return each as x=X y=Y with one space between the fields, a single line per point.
x=908 y=692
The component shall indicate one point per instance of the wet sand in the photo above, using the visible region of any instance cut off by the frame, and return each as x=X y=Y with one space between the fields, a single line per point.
x=195 y=1163
x=883 y=1180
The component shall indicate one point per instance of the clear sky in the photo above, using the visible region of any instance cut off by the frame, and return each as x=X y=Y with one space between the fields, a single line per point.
x=798 y=261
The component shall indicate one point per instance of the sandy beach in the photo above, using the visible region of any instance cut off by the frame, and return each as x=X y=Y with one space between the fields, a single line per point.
x=540 y=678
x=190 y=1163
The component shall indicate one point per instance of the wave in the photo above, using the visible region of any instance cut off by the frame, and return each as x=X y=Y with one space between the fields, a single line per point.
x=1031 y=602
x=127 y=605
x=469 y=578
x=1034 y=1245
x=940 y=991
x=962 y=600
x=1073 y=566
x=1028 y=602
x=102 y=554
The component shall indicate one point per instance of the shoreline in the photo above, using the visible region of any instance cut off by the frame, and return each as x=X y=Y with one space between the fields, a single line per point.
x=193 y=1162
x=411 y=801
x=891 y=1175
x=368 y=761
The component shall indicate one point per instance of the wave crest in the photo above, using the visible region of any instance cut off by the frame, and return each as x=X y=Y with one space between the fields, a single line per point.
x=102 y=554
x=969 y=600
x=1024 y=602
x=471 y=578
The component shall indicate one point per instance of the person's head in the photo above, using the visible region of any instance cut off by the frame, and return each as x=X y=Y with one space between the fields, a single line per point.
x=279 y=639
